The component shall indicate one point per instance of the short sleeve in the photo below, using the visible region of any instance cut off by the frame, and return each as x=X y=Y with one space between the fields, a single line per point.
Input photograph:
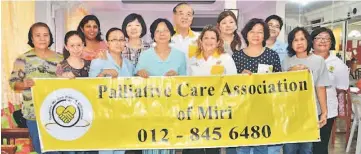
x=96 y=67
x=276 y=63
x=341 y=76
x=323 y=77
x=18 y=72
x=183 y=67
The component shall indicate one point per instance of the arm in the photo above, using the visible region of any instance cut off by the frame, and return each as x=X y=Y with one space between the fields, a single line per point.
x=230 y=66
x=96 y=67
x=183 y=67
x=277 y=63
x=18 y=75
x=322 y=98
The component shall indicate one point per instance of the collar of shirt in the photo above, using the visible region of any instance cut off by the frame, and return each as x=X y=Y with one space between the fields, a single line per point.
x=190 y=32
x=112 y=61
x=215 y=55
x=160 y=60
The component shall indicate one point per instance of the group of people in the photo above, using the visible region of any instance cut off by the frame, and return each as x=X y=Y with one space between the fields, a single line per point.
x=179 y=51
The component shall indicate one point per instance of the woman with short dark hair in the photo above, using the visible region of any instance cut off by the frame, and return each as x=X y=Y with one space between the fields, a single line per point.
x=256 y=58
x=300 y=58
x=89 y=27
x=39 y=62
x=161 y=60
x=323 y=41
x=134 y=29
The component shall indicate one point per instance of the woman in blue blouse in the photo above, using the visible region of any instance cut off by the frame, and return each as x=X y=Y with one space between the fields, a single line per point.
x=161 y=60
x=114 y=65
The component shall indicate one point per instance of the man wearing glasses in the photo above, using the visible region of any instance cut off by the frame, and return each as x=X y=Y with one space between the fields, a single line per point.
x=275 y=24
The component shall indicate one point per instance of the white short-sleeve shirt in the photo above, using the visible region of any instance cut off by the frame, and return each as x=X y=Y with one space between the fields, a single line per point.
x=217 y=64
x=339 y=78
x=188 y=44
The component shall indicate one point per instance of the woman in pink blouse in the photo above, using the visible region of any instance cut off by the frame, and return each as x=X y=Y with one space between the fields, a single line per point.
x=89 y=27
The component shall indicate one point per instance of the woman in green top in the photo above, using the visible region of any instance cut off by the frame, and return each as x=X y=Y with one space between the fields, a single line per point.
x=39 y=62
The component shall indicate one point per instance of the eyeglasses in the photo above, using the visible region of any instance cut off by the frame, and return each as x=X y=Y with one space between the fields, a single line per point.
x=274 y=26
x=117 y=40
x=162 y=31
x=319 y=39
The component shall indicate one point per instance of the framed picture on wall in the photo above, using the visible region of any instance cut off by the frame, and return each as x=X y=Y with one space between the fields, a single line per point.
x=235 y=11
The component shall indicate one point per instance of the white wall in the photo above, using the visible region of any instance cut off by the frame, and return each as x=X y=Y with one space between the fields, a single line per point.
x=339 y=11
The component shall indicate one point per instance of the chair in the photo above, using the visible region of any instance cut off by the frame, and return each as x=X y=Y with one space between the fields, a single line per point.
x=356 y=122
x=346 y=117
x=8 y=137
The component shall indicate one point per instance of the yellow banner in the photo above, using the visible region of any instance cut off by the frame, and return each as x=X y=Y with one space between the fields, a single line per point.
x=175 y=112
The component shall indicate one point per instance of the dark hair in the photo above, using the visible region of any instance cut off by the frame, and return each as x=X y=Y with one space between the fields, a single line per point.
x=30 y=33
x=218 y=35
x=179 y=4
x=236 y=39
x=69 y=34
x=250 y=24
x=275 y=17
x=324 y=29
x=291 y=37
x=131 y=18
x=155 y=24
x=112 y=30
x=84 y=21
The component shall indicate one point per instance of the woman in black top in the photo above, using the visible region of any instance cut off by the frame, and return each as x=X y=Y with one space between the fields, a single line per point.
x=256 y=57
x=73 y=65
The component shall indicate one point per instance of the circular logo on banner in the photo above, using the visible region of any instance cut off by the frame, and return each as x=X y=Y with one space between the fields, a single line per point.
x=66 y=114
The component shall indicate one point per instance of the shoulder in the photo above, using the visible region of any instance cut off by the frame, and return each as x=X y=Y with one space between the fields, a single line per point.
x=225 y=56
x=177 y=52
x=270 y=51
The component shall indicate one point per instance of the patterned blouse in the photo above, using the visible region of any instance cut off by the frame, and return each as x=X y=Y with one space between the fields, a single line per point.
x=29 y=65
x=90 y=55
x=268 y=57
x=65 y=67
x=133 y=54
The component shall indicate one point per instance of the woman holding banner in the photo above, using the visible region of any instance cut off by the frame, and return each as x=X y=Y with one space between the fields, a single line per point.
x=300 y=58
x=73 y=65
x=256 y=58
x=323 y=42
x=114 y=65
x=89 y=27
x=39 y=62
x=210 y=59
x=161 y=60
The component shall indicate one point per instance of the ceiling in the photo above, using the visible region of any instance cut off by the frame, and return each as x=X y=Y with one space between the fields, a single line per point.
x=294 y=8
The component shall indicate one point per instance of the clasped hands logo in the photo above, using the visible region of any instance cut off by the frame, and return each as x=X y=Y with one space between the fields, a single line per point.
x=66 y=114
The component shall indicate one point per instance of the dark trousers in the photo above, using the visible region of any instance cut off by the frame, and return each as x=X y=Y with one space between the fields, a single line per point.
x=202 y=151
x=325 y=133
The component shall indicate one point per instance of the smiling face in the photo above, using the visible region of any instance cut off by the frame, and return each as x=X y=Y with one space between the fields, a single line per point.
x=256 y=35
x=75 y=46
x=322 y=42
x=162 y=34
x=134 y=29
x=40 y=37
x=227 y=25
x=299 y=43
x=209 y=41
x=90 y=30
x=183 y=16
x=274 y=27
x=116 y=41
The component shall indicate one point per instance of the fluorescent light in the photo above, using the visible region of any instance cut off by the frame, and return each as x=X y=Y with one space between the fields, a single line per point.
x=354 y=33
x=302 y=2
